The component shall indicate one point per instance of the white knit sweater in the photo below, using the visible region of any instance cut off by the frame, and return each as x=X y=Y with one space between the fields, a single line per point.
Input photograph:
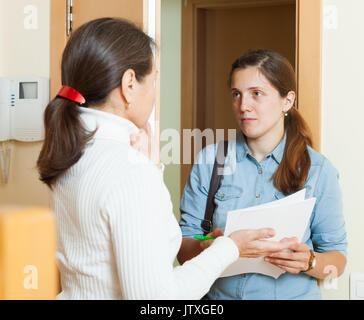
x=117 y=235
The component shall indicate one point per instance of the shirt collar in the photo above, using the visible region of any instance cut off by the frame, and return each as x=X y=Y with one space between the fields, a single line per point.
x=242 y=148
x=109 y=126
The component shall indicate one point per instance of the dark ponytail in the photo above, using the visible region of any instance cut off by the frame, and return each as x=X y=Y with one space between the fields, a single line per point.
x=93 y=62
x=293 y=170
x=65 y=139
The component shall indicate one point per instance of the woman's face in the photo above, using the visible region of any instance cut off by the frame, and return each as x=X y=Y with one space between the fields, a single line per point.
x=258 y=106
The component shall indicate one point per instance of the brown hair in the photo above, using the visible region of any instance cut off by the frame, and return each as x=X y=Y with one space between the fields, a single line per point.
x=293 y=170
x=93 y=62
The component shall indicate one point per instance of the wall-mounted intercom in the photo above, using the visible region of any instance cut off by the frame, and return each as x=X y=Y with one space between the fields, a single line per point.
x=22 y=103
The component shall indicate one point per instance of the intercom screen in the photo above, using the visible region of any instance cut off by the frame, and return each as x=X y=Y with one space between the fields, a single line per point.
x=28 y=90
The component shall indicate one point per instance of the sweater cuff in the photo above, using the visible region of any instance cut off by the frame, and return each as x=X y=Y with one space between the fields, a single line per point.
x=227 y=248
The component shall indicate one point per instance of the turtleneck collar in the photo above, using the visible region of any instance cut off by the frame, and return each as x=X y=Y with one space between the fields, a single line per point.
x=109 y=126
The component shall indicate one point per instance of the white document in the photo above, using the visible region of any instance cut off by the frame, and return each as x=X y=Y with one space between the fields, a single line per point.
x=289 y=217
x=293 y=198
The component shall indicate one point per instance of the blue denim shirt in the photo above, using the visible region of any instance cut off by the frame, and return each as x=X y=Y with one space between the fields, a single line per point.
x=247 y=183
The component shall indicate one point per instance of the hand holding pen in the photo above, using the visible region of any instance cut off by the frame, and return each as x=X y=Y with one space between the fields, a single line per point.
x=209 y=238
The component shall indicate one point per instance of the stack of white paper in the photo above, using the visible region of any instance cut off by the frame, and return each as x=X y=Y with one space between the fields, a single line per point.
x=289 y=217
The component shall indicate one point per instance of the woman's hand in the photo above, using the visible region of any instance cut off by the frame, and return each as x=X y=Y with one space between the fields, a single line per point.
x=294 y=261
x=251 y=243
x=143 y=142
x=206 y=243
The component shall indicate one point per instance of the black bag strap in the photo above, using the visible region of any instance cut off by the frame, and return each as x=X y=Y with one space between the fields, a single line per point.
x=214 y=185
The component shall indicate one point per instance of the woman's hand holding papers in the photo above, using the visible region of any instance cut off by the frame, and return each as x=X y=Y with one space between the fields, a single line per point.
x=252 y=243
x=293 y=261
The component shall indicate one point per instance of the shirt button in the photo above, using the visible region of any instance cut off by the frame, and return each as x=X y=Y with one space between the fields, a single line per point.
x=223 y=196
x=260 y=171
x=257 y=196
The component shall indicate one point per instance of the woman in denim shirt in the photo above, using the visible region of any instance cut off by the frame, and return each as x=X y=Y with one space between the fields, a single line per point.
x=270 y=159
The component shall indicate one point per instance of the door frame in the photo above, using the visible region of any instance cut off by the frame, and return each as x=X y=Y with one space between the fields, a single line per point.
x=308 y=62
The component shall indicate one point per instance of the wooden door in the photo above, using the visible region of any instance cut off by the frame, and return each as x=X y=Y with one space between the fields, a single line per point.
x=144 y=13
x=306 y=57
x=86 y=10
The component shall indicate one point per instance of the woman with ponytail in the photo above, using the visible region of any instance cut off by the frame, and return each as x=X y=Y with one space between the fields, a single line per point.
x=117 y=234
x=274 y=158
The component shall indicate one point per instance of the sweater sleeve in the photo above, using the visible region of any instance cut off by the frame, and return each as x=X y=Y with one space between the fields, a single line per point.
x=138 y=209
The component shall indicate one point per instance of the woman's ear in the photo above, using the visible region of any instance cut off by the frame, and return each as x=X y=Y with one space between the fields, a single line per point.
x=128 y=86
x=289 y=101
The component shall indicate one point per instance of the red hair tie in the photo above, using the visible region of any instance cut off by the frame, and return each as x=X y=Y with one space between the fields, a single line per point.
x=71 y=94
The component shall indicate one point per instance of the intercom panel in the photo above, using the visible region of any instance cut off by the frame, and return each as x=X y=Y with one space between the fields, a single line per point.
x=22 y=105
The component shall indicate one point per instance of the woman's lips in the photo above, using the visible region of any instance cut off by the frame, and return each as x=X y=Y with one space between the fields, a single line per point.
x=248 y=120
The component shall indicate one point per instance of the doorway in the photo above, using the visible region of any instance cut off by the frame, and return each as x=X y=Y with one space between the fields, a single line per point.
x=225 y=34
x=215 y=33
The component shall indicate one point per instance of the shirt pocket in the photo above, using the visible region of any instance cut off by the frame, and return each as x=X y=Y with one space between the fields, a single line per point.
x=227 y=198
x=227 y=192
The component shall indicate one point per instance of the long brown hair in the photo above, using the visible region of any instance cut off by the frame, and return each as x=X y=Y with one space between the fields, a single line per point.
x=93 y=62
x=293 y=170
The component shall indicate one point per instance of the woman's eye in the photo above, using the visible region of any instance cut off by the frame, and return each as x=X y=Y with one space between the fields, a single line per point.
x=257 y=93
x=236 y=95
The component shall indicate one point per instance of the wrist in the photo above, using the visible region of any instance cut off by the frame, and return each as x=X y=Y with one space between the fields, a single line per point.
x=235 y=239
x=311 y=261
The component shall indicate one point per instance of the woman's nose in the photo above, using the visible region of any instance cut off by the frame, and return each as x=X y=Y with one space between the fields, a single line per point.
x=244 y=105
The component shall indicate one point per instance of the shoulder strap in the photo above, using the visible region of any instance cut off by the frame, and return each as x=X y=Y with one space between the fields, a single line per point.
x=214 y=185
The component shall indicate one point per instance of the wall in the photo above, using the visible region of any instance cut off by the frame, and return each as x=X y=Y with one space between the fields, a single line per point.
x=342 y=121
x=24 y=52
x=171 y=87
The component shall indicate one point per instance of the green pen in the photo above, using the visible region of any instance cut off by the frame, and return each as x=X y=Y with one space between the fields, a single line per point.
x=204 y=238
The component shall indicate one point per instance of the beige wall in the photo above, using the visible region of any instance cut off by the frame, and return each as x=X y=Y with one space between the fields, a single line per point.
x=24 y=52
x=342 y=123
x=170 y=107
